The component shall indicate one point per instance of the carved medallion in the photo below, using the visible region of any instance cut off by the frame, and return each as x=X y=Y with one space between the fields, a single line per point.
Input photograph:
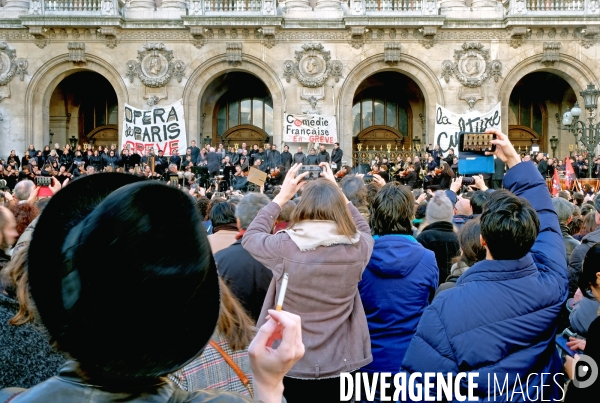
x=313 y=66
x=155 y=66
x=472 y=66
x=10 y=65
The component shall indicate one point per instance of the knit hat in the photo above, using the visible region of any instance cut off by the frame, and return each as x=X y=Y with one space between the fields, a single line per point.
x=110 y=284
x=439 y=208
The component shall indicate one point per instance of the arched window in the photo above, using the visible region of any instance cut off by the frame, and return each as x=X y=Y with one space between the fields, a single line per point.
x=526 y=112
x=235 y=111
x=379 y=110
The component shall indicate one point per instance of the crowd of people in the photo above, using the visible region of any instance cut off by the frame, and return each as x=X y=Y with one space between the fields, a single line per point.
x=445 y=277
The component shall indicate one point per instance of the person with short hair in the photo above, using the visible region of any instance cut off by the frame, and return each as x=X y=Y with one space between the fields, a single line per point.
x=222 y=216
x=312 y=158
x=471 y=328
x=299 y=157
x=247 y=278
x=399 y=280
x=564 y=211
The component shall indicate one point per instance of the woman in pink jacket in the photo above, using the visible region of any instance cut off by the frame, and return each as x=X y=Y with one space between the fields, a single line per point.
x=324 y=251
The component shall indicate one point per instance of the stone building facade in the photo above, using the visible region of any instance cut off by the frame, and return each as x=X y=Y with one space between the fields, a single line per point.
x=67 y=67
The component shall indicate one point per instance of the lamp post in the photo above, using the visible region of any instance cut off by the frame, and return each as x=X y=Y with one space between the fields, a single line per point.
x=51 y=134
x=553 y=145
x=417 y=145
x=73 y=141
x=587 y=134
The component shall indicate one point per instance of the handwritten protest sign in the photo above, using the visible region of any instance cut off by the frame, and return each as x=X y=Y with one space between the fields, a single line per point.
x=161 y=128
x=449 y=124
x=310 y=129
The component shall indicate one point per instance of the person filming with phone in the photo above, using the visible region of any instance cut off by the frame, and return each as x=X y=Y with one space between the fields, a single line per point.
x=484 y=324
x=324 y=250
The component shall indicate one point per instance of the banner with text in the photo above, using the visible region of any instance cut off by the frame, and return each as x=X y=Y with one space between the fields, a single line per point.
x=161 y=128
x=449 y=124
x=310 y=129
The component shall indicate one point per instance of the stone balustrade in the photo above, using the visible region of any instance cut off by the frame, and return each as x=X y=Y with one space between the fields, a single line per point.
x=554 y=7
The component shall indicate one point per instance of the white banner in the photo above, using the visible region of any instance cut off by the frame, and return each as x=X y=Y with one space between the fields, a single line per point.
x=161 y=128
x=310 y=129
x=449 y=124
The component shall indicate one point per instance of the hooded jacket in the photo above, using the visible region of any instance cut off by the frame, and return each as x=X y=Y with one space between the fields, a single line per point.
x=395 y=289
x=500 y=319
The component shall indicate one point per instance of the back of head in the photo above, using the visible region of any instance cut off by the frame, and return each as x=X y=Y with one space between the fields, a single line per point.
x=249 y=207
x=587 y=208
x=286 y=211
x=324 y=200
x=590 y=268
x=578 y=198
x=478 y=200
x=222 y=214
x=563 y=208
x=23 y=189
x=392 y=210
x=439 y=208
x=355 y=190
x=564 y=194
x=509 y=226
x=470 y=245
x=119 y=320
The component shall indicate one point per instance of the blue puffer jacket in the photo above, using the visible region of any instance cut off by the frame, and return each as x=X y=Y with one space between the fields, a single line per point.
x=501 y=317
x=395 y=289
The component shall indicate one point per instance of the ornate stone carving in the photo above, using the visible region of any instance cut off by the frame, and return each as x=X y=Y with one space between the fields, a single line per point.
x=472 y=65
x=77 y=52
x=75 y=33
x=155 y=66
x=22 y=65
x=153 y=100
x=447 y=67
x=357 y=37
x=10 y=65
x=110 y=36
x=392 y=33
x=234 y=53
x=312 y=101
x=336 y=70
x=589 y=35
x=552 y=33
x=268 y=37
x=428 y=35
x=39 y=36
x=540 y=33
x=35 y=7
x=470 y=96
x=313 y=66
x=222 y=33
x=551 y=53
x=517 y=36
x=564 y=33
x=391 y=53
x=198 y=36
x=233 y=33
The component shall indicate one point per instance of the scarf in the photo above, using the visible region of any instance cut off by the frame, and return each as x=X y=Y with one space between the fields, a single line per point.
x=225 y=227
x=308 y=235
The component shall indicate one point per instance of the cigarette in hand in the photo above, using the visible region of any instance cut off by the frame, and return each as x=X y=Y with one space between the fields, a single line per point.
x=282 y=292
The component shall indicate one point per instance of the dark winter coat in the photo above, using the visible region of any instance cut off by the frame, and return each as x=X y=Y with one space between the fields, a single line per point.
x=441 y=238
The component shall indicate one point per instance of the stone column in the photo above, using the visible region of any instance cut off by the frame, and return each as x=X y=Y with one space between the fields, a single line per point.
x=16 y=7
x=173 y=4
x=142 y=4
x=483 y=3
x=452 y=3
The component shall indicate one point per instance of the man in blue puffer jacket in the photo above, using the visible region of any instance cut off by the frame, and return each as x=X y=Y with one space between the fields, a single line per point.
x=500 y=319
x=399 y=280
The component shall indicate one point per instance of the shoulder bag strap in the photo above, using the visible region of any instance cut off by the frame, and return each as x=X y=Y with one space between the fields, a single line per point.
x=233 y=366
